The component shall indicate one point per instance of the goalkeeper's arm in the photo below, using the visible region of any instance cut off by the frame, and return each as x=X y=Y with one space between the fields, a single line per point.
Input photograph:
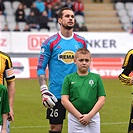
x=42 y=79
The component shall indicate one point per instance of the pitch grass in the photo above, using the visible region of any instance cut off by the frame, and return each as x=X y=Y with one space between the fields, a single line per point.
x=30 y=113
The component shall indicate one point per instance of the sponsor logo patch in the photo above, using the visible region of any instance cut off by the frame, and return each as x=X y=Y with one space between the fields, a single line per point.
x=67 y=57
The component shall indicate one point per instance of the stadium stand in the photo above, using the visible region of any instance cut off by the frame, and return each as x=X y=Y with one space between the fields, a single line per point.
x=79 y=19
x=10 y=18
x=15 y=5
x=124 y=12
x=21 y=25
x=11 y=25
x=129 y=5
x=101 y=17
x=27 y=11
x=8 y=4
x=2 y=18
x=119 y=6
x=108 y=16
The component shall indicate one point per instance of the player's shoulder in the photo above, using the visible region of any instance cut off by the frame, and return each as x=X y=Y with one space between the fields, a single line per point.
x=4 y=55
x=51 y=39
x=131 y=50
x=94 y=74
x=128 y=58
x=79 y=37
x=71 y=75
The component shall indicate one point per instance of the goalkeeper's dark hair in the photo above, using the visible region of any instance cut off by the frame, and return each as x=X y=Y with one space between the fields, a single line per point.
x=60 y=14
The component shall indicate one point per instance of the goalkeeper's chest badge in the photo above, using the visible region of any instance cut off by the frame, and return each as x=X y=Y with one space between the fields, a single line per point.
x=91 y=82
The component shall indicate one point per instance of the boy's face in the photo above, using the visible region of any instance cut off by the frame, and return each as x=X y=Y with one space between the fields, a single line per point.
x=83 y=62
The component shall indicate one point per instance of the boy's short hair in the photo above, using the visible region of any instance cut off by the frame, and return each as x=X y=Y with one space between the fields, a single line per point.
x=82 y=51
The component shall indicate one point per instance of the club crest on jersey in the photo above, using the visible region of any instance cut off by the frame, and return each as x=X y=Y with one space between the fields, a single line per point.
x=67 y=57
x=91 y=82
x=42 y=50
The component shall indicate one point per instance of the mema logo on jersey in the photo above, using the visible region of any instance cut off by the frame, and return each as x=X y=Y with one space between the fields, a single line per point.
x=67 y=57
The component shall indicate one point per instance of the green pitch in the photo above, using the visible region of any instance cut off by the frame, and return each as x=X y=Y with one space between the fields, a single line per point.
x=30 y=113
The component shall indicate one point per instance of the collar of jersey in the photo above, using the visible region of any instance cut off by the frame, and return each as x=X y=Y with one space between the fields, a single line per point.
x=66 y=38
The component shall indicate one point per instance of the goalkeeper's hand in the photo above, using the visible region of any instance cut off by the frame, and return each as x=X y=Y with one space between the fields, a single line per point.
x=48 y=99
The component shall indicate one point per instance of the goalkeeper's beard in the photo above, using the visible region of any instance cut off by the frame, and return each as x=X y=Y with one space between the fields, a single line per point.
x=67 y=27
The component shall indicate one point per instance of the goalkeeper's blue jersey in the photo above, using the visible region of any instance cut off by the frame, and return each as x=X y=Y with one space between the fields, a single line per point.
x=58 y=53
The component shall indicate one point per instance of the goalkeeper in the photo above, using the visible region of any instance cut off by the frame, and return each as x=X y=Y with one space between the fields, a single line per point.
x=58 y=53
x=127 y=66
